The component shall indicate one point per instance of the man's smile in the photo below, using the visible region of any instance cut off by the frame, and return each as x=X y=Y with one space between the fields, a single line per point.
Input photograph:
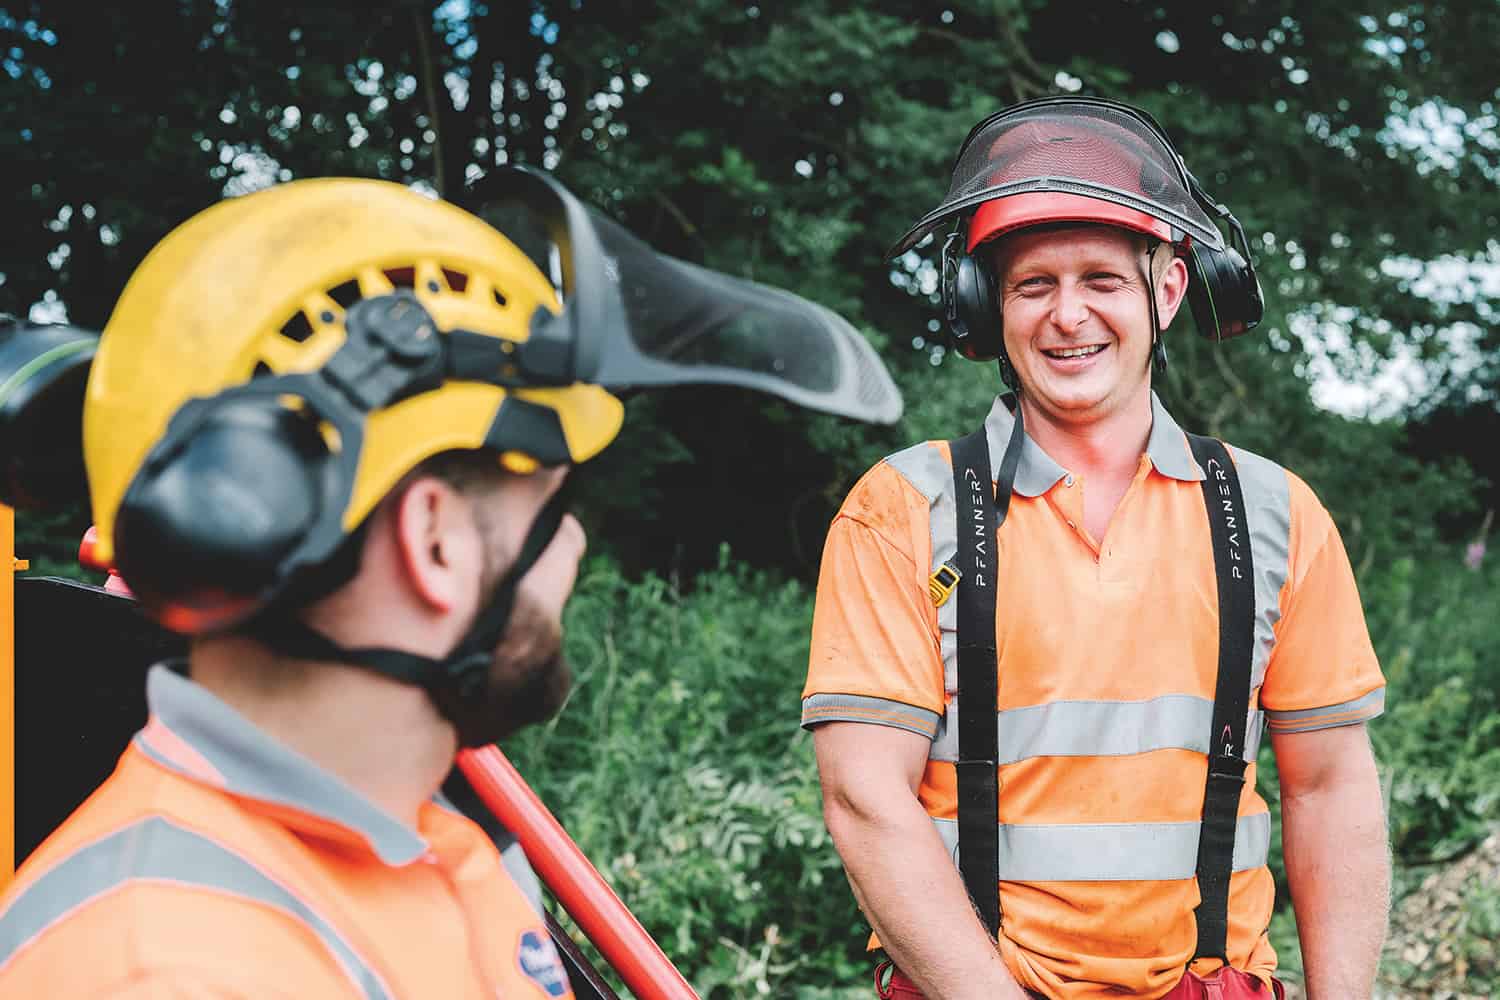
x=1070 y=353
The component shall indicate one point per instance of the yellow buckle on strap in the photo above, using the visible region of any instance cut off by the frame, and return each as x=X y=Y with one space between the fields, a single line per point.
x=942 y=583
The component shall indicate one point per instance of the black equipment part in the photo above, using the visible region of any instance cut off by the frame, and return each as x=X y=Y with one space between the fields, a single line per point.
x=982 y=504
x=1235 y=572
x=586 y=981
x=978 y=676
x=43 y=370
x=69 y=734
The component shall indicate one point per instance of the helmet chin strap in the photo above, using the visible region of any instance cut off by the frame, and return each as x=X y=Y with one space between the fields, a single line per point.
x=457 y=683
x=1158 y=345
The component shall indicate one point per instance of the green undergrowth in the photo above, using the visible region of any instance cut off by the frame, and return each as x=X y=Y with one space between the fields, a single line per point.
x=678 y=765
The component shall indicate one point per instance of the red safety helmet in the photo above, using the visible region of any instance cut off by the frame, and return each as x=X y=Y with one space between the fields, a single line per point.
x=1061 y=148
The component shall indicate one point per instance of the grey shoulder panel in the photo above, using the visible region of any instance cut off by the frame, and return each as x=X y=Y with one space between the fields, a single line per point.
x=924 y=467
x=521 y=872
x=931 y=474
x=1268 y=511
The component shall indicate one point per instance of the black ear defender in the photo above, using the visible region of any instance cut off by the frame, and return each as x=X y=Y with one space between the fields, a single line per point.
x=248 y=488
x=223 y=503
x=1224 y=294
x=971 y=305
x=970 y=302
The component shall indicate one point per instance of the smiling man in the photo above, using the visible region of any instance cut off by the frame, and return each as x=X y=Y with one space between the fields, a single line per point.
x=1158 y=602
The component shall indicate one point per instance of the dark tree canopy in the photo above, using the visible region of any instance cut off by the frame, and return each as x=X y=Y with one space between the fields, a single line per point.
x=792 y=144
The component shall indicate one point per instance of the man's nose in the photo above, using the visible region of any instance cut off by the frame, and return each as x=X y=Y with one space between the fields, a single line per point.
x=1069 y=310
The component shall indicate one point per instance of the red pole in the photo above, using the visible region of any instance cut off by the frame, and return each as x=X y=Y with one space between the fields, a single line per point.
x=575 y=882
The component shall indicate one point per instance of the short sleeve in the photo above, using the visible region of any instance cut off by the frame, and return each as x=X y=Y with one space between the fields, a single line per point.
x=875 y=656
x=1323 y=671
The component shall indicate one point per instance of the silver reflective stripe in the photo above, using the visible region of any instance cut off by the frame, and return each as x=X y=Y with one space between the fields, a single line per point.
x=925 y=468
x=1268 y=509
x=1348 y=713
x=157 y=850
x=1111 y=852
x=819 y=708
x=1098 y=729
x=1253 y=733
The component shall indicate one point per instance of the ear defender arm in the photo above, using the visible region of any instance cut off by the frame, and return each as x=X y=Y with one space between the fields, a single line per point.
x=247 y=489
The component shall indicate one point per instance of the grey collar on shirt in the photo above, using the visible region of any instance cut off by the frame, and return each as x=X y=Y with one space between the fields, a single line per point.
x=256 y=766
x=1038 y=472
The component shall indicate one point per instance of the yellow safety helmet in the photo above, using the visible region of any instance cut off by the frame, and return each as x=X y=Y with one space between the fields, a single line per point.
x=280 y=361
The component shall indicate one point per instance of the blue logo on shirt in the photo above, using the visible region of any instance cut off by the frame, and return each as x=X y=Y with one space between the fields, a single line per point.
x=538 y=958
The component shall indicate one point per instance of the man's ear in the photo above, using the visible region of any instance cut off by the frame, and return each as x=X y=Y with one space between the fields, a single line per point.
x=1170 y=289
x=435 y=541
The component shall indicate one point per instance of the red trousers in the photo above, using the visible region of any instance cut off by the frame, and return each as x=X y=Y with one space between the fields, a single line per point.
x=1226 y=984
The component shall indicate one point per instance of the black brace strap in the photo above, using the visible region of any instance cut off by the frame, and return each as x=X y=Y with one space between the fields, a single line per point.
x=979 y=520
x=980 y=514
x=1226 y=749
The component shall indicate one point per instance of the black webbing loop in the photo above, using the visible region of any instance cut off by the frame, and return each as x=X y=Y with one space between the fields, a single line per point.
x=293 y=638
x=1226 y=750
x=457 y=682
x=980 y=514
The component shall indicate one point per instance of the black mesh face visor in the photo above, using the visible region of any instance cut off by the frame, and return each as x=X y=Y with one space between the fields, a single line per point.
x=1073 y=146
x=688 y=324
x=663 y=321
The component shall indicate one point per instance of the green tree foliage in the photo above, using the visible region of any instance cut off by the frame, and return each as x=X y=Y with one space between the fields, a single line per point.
x=792 y=144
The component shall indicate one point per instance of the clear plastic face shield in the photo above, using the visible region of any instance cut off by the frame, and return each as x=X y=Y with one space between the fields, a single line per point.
x=1095 y=149
x=1074 y=154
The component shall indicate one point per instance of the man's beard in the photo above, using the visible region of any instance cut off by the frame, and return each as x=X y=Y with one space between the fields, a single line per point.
x=528 y=679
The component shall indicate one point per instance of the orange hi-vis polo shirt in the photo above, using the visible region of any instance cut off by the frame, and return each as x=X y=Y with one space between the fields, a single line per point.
x=1107 y=655
x=217 y=863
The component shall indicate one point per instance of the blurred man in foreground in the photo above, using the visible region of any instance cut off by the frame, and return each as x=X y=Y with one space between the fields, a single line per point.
x=326 y=434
